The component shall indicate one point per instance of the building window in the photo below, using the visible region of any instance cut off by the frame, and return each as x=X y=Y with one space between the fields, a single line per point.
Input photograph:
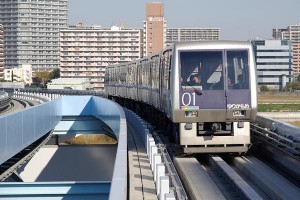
x=284 y=42
x=260 y=43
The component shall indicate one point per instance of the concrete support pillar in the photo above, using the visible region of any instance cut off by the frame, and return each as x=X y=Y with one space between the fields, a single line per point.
x=164 y=187
x=145 y=136
x=153 y=150
x=149 y=144
x=156 y=161
x=169 y=196
x=160 y=172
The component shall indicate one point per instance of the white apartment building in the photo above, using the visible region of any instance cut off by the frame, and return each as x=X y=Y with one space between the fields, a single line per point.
x=20 y=74
x=31 y=33
x=86 y=51
x=293 y=34
x=191 y=34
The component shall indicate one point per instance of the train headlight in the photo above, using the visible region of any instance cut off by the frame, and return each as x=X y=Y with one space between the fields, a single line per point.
x=191 y=113
x=239 y=113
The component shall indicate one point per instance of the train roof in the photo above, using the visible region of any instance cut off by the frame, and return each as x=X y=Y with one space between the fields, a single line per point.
x=208 y=44
x=213 y=44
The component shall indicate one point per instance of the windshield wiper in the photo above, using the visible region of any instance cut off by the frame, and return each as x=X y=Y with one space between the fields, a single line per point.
x=197 y=91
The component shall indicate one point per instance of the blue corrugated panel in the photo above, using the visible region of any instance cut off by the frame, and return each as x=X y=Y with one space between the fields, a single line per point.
x=18 y=130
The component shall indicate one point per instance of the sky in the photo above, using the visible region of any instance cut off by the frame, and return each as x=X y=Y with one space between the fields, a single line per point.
x=237 y=19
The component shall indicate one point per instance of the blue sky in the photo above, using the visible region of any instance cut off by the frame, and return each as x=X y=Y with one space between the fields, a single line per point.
x=237 y=19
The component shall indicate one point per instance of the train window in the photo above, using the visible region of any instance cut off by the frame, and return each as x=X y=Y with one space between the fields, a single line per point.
x=122 y=74
x=107 y=76
x=202 y=68
x=238 y=69
x=166 y=62
x=128 y=74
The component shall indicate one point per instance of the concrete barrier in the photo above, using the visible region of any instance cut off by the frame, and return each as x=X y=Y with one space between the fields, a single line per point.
x=155 y=158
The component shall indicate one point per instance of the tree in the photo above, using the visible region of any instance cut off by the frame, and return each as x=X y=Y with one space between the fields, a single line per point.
x=298 y=79
x=292 y=86
x=264 y=88
x=55 y=73
x=36 y=82
x=44 y=76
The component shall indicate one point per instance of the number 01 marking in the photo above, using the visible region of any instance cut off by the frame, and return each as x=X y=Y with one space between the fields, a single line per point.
x=191 y=98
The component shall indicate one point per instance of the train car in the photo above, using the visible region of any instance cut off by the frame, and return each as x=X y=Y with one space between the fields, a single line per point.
x=5 y=100
x=206 y=89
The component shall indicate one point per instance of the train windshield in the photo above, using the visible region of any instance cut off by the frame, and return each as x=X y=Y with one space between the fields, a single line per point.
x=204 y=70
x=238 y=70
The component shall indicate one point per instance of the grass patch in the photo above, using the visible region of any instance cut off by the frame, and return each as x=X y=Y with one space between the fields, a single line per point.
x=278 y=107
x=295 y=123
x=278 y=99
x=92 y=139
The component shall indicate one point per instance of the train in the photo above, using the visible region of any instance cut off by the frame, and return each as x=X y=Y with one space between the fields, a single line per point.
x=5 y=100
x=207 y=90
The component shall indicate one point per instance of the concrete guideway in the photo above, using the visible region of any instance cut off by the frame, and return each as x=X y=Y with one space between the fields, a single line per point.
x=141 y=181
x=269 y=181
x=198 y=183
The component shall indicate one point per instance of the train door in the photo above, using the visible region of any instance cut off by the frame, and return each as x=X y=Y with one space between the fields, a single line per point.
x=165 y=76
x=202 y=82
x=155 y=80
x=238 y=79
x=139 y=81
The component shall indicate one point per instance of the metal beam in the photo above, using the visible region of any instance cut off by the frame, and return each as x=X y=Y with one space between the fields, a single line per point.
x=45 y=190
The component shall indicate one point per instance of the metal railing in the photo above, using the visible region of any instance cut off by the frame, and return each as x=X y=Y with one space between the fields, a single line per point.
x=285 y=144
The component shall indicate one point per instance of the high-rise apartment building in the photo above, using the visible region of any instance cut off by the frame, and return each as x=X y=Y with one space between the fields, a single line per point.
x=274 y=62
x=31 y=33
x=277 y=33
x=154 y=28
x=293 y=34
x=1 y=53
x=86 y=51
x=191 y=34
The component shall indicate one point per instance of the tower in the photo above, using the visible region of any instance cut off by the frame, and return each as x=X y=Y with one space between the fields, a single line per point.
x=154 y=28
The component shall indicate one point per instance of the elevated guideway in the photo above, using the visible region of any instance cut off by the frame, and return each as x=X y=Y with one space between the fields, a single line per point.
x=59 y=170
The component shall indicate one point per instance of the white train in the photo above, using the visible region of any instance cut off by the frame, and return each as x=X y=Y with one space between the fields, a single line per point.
x=210 y=116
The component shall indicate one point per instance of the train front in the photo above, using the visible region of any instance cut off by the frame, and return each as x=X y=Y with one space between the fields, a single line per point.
x=214 y=96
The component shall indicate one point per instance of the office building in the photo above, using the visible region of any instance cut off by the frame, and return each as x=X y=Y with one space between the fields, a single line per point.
x=274 y=63
x=293 y=34
x=191 y=34
x=154 y=28
x=1 y=53
x=277 y=33
x=69 y=83
x=86 y=51
x=31 y=33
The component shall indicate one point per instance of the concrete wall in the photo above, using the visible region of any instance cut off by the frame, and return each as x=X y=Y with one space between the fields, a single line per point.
x=70 y=163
